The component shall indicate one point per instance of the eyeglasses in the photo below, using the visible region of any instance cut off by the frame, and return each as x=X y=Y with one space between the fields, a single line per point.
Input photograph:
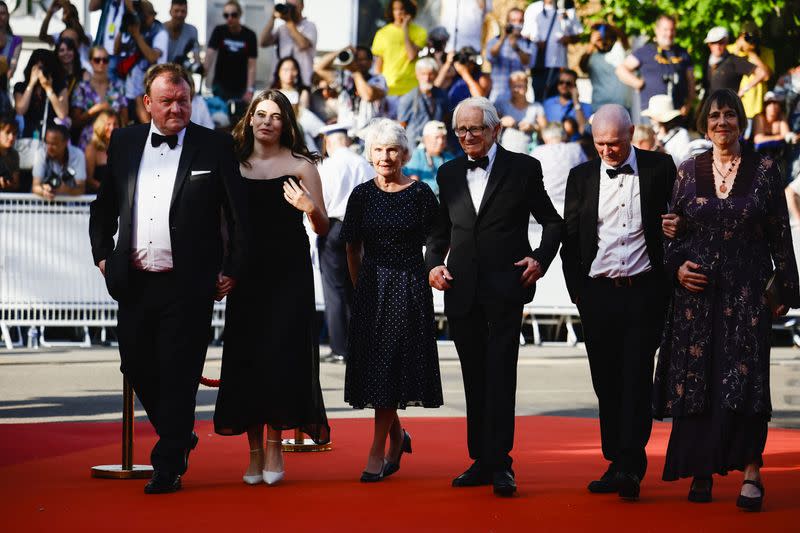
x=230 y=15
x=474 y=131
x=100 y=60
x=568 y=83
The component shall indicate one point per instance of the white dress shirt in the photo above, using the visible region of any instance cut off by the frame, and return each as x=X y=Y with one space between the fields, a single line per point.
x=566 y=24
x=622 y=250
x=340 y=173
x=151 y=246
x=477 y=178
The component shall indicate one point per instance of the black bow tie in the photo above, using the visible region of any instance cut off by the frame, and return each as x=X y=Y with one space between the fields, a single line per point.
x=171 y=140
x=614 y=172
x=482 y=162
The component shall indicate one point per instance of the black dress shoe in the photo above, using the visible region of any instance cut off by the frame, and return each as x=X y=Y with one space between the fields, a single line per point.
x=474 y=476
x=393 y=466
x=700 y=491
x=503 y=483
x=751 y=504
x=192 y=445
x=628 y=486
x=607 y=484
x=163 y=483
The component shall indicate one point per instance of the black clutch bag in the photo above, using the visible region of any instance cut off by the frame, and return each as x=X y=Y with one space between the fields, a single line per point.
x=773 y=298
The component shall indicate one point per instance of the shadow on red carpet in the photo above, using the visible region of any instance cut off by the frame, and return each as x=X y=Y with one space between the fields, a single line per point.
x=46 y=485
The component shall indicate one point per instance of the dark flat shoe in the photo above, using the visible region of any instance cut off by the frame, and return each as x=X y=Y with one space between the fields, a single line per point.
x=607 y=484
x=751 y=504
x=163 y=483
x=503 y=483
x=701 y=495
x=628 y=486
x=393 y=466
x=474 y=476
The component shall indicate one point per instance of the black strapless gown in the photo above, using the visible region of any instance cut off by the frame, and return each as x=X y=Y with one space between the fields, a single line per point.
x=270 y=361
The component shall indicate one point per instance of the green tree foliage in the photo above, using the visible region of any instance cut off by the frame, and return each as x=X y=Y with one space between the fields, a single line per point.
x=779 y=21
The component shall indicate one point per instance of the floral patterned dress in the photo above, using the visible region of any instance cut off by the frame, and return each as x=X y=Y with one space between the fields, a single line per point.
x=712 y=376
x=84 y=97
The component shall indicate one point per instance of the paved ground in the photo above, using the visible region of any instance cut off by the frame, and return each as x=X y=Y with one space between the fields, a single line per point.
x=49 y=385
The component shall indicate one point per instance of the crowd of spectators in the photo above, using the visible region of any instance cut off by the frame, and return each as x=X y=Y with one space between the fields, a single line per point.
x=545 y=69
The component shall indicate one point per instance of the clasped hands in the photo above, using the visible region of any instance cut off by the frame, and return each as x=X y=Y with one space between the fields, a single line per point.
x=439 y=277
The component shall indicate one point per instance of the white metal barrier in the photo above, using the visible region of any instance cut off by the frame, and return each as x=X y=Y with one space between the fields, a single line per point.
x=47 y=277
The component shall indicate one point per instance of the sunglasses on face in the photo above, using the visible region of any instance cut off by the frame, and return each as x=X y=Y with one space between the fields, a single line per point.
x=230 y=15
x=99 y=60
x=568 y=83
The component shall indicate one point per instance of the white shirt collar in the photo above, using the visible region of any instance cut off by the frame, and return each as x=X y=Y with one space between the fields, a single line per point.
x=154 y=129
x=631 y=160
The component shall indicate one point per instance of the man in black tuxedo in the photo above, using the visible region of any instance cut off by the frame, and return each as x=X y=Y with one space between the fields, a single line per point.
x=615 y=217
x=486 y=199
x=168 y=183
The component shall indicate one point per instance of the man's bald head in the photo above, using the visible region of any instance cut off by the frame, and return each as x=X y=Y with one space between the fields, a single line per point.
x=612 y=131
x=612 y=116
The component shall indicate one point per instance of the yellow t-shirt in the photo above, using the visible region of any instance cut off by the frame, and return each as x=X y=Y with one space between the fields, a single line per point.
x=389 y=43
x=753 y=100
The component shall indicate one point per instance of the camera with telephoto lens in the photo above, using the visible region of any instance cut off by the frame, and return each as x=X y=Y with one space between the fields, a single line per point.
x=129 y=19
x=55 y=179
x=344 y=58
x=285 y=9
x=467 y=55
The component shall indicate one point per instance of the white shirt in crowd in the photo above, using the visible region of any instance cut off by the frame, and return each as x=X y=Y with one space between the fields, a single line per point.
x=477 y=178
x=200 y=113
x=557 y=159
x=676 y=143
x=340 y=173
x=566 y=23
x=529 y=24
x=285 y=46
x=622 y=250
x=463 y=20
x=76 y=164
x=151 y=246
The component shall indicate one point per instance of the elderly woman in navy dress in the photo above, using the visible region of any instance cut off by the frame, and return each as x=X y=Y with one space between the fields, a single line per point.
x=392 y=357
x=713 y=368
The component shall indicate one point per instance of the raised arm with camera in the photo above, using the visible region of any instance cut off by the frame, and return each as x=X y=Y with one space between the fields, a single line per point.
x=291 y=14
x=358 y=62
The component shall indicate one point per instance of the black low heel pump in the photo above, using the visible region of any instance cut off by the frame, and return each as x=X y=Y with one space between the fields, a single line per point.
x=751 y=504
x=393 y=466
x=701 y=495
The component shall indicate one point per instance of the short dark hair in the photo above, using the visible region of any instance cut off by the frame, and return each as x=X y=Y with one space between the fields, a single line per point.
x=235 y=4
x=60 y=129
x=178 y=2
x=9 y=120
x=723 y=98
x=665 y=16
x=568 y=71
x=410 y=7
x=366 y=49
x=175 y=72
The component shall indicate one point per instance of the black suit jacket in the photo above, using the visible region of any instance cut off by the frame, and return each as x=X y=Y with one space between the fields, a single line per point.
x=485 y=245
x=656 y=179
x=195 y=216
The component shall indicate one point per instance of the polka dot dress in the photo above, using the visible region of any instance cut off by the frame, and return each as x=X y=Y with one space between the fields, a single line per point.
x=392 y=357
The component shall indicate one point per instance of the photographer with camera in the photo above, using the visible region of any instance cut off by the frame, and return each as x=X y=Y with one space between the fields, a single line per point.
x=510 y=52
x=605 y=53
x=9 y=158
x=470 y=81
x=143 y=42
x=183 y=47
x=363 y=94
x=664 y=68
x=59 y=168
x=296 y=37
x=231 y=54
x=556 y=26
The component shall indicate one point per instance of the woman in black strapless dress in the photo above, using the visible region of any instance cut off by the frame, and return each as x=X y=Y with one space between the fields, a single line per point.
x=270 y=365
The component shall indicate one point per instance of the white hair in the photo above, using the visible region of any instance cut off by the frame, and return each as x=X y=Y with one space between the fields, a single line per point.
x=386 y=132
x=433 y=127
x=554 y=130
x=490 y=117
x=426 y=63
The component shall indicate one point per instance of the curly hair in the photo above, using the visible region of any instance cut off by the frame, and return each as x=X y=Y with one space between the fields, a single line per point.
x=291 y=134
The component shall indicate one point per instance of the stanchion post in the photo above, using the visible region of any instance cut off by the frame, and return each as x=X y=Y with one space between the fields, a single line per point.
x=126 y=470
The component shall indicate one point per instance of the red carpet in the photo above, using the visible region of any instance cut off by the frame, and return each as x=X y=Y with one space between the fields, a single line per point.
x=45 y=485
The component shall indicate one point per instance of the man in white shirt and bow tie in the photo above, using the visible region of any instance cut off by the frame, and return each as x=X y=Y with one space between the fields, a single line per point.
x=486 y=200
x=169 y=183
x=615 y=219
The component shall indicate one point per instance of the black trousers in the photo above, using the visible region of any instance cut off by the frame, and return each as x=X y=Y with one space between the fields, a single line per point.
x=163 y=335
x=622 y=327
x=336 y=285
x=487 y=341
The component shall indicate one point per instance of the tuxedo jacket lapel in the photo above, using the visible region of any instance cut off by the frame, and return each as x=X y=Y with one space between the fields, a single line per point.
x=645 y=186
x=187 y=154
x=134 y=163
x=499 y=169
x=592 y=210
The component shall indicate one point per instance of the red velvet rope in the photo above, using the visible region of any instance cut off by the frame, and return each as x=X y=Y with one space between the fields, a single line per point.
x=208 y=382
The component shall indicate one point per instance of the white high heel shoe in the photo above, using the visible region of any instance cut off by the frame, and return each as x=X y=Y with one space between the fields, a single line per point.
x=253 y=479
x=270 y=477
